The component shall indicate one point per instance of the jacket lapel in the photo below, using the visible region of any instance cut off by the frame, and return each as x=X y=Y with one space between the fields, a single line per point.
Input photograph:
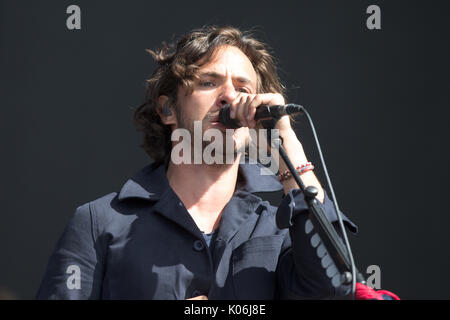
x=172 y=208
x=239 y=209
x=151 y=184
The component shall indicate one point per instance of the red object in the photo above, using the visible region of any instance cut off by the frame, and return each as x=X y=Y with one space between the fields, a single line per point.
x=364 y=292
x=300 y=169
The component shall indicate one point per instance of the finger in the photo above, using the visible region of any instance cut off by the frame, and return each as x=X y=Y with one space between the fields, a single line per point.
x=233 y=107
x=271 y=99
x=240 y=110
x=246 y=107
x=255 y=103
x=249 y=115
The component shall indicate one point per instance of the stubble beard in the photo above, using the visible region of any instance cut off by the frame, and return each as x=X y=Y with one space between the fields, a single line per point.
x=228 y=151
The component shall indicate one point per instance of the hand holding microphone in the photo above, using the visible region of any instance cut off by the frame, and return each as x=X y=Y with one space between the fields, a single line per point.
x=247 y=109
x=263 y=112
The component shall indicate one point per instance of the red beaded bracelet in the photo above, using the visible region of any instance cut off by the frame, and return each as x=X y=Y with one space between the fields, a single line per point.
x=300 y=170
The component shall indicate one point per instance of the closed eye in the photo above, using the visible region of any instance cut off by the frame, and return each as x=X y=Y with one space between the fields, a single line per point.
x=207 y=84
x=211 y=84
x=243 y=90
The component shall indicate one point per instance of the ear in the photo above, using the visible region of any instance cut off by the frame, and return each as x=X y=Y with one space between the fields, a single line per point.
x=165 y=111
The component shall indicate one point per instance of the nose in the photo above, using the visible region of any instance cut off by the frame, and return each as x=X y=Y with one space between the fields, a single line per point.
x=227 y=95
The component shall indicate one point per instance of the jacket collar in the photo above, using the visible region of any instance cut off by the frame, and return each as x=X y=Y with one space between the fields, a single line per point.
x=148 y=183
x=151 y=182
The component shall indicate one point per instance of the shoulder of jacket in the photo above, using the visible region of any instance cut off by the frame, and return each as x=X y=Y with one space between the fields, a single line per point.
x=101 y=211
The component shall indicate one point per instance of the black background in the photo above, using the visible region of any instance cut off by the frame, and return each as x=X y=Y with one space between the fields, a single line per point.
x=379 y=100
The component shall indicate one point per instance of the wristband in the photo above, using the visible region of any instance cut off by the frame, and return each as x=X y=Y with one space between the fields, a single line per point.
x=300 y=170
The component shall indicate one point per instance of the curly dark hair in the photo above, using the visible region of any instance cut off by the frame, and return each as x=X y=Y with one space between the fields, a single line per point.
x=178 y=66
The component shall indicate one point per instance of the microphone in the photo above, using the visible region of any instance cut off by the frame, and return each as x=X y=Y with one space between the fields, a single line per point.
x=263 y=112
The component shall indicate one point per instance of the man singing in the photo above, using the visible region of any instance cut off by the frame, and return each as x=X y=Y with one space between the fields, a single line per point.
x=196 y=230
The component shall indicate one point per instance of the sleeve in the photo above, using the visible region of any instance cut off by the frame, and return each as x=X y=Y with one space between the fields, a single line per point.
x=75 y=268
x=305 y=270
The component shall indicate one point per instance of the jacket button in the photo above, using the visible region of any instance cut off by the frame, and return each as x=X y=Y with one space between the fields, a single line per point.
x=198 y=245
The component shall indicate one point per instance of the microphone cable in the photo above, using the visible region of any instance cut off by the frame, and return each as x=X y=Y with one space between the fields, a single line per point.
x=336 y=206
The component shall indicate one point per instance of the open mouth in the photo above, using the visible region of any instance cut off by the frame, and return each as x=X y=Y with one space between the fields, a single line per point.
x=213 y=117
x=215 y=123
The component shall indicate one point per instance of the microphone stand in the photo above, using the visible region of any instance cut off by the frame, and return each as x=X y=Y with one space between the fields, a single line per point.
x=322 y=225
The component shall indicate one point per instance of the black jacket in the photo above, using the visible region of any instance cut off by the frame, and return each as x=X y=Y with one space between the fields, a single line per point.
x=141 y=243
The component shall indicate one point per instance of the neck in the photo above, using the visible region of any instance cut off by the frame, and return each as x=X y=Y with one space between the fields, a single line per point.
x=204 y=189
